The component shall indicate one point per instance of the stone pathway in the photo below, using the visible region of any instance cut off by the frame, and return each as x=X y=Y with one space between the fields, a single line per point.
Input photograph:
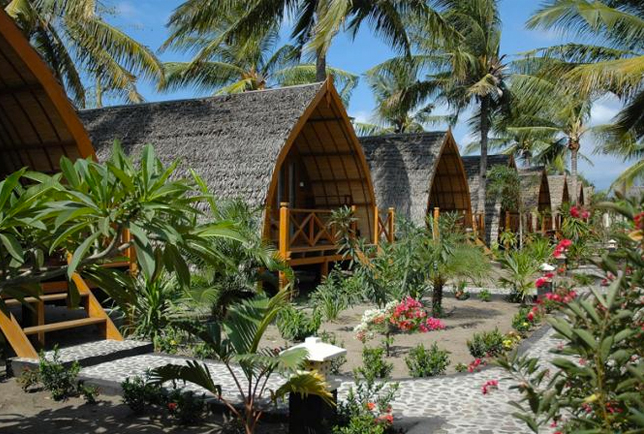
x=449 y=404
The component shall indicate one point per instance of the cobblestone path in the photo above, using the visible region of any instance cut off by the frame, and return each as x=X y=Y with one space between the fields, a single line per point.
x=451 y=404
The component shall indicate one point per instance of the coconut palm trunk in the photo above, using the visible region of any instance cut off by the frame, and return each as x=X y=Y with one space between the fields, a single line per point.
x=320 y=66
x=485 y=127
x=573 y=145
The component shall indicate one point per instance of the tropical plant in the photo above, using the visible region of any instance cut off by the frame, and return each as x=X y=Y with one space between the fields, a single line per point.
x=520 y=268
x=430 y=362
x=486 y=344
x=596 y=383
x=615 y=67
x=374 y=364
x=401 y=99
x=469 y=70
x=254 y=63
x=76 y=40
x=316 y=22
x=296 y=325
x=337 y=292
x=88 y=210
x=234 y=341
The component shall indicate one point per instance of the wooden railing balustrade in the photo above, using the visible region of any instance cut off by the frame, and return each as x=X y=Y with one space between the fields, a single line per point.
x=384 y=228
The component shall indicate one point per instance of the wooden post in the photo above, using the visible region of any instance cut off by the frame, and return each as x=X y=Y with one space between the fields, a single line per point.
x=376 y=226
x=131 y=253
x=543 y=224
x=507 y=221
x=354 y=223
x=283 y=243
x=437 y=214
x=392 y=226
x=324 y=269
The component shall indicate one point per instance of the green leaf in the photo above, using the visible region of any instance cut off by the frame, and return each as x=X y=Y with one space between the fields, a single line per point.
x=80 y=252
x=586 y=337
x=144 y=251
x=13 y=247
x=67 y=167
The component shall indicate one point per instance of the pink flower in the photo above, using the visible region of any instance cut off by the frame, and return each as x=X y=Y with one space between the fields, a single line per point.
x=540 y=282
x=530 y=316
x=585 y=214
x=489 y=385
x=574 y=212
x=549 y=275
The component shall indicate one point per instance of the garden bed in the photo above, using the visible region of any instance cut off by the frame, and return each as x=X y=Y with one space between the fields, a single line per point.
x=462 y=320
x=37 y=413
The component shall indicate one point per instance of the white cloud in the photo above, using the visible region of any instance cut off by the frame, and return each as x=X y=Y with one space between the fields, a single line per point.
x=604 y=110
x=361 y=116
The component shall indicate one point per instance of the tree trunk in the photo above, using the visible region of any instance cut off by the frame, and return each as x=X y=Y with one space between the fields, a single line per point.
x=320 y=66
x=437 y=299
x=485 y=102
x=99 y=93
x=573 y=145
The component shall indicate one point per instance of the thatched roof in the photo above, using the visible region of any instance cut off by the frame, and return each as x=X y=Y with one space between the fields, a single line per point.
x=413 y=172
x=239 y=143
x=38 y=124
x=534 y=189
x=579 y=197
x=588 y=195
x=232 y=141
x=558 y=187
x=493 y=209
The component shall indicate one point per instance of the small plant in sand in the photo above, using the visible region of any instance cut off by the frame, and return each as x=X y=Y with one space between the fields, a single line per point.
x=427 y=362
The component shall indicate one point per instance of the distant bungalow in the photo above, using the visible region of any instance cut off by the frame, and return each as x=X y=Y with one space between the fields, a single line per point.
x=535 y=196
x=496 y=217
x=290 y=151
x=558 y=186
x=418 y=174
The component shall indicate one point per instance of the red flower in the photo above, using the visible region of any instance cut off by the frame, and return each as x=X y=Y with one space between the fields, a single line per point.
x=585 y=214
x=172 y=406
x=540 y=282
x=371 y=406
x=530 y=316
x=574 y=212
x=639 y=221
x=565 y=243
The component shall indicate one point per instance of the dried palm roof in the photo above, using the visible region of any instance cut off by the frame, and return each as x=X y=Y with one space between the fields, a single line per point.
x=588 y=195
x=579 y=197
x=38 y=124
x=414 y=173
x=237 y=143
x=558 y=186
x=535 y=193
x=493 y=211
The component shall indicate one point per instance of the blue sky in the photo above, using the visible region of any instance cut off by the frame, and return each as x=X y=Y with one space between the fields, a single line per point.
x=145 y=20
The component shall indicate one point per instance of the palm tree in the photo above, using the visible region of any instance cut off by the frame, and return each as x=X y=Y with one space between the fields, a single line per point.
x=75 y=40
x=401 y=98
x=249 y=365
x=469 y=70
x=253 y=64
x=317 y=22
x=616 y=67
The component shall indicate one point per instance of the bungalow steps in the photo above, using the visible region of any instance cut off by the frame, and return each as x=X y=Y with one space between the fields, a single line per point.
x=29 y=334
x=63 y=325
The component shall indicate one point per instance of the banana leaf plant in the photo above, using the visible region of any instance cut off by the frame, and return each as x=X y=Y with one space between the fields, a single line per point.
x=235 y=341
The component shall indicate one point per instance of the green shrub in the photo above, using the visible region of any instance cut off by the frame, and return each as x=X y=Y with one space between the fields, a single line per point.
x=374 y=364
x=28 y=379
x=360 y=424
x=186 y=407
x=486 y=344
x=139 y=393
x=520 y=321
x=427 y=363
x=60 y=380
x=336 y=293
x=88 y=392
x=460 y=367
x=485 y=295
x=295 y=325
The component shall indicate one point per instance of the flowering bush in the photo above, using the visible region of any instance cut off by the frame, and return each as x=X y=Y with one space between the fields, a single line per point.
x=597 y=386
x=562 y=247
x=476 y=365
x=408 y=316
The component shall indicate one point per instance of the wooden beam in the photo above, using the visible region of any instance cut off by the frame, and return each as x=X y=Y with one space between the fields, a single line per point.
x=327 y=154
x=23 y=88
x=42 y=145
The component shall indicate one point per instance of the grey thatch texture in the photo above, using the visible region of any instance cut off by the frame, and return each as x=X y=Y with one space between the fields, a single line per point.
x=588 y=195
x=579 y=197
x=472 y=164
x=232 y=141
x=531 y=181
x=402 y=168
x=558 y=191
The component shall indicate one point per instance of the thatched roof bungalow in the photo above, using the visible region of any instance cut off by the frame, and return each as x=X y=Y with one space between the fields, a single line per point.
x=416 y=173
x=535 y=197
x=494 y=213
x=558 y=185
x=38 y=124
x=291 y=148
